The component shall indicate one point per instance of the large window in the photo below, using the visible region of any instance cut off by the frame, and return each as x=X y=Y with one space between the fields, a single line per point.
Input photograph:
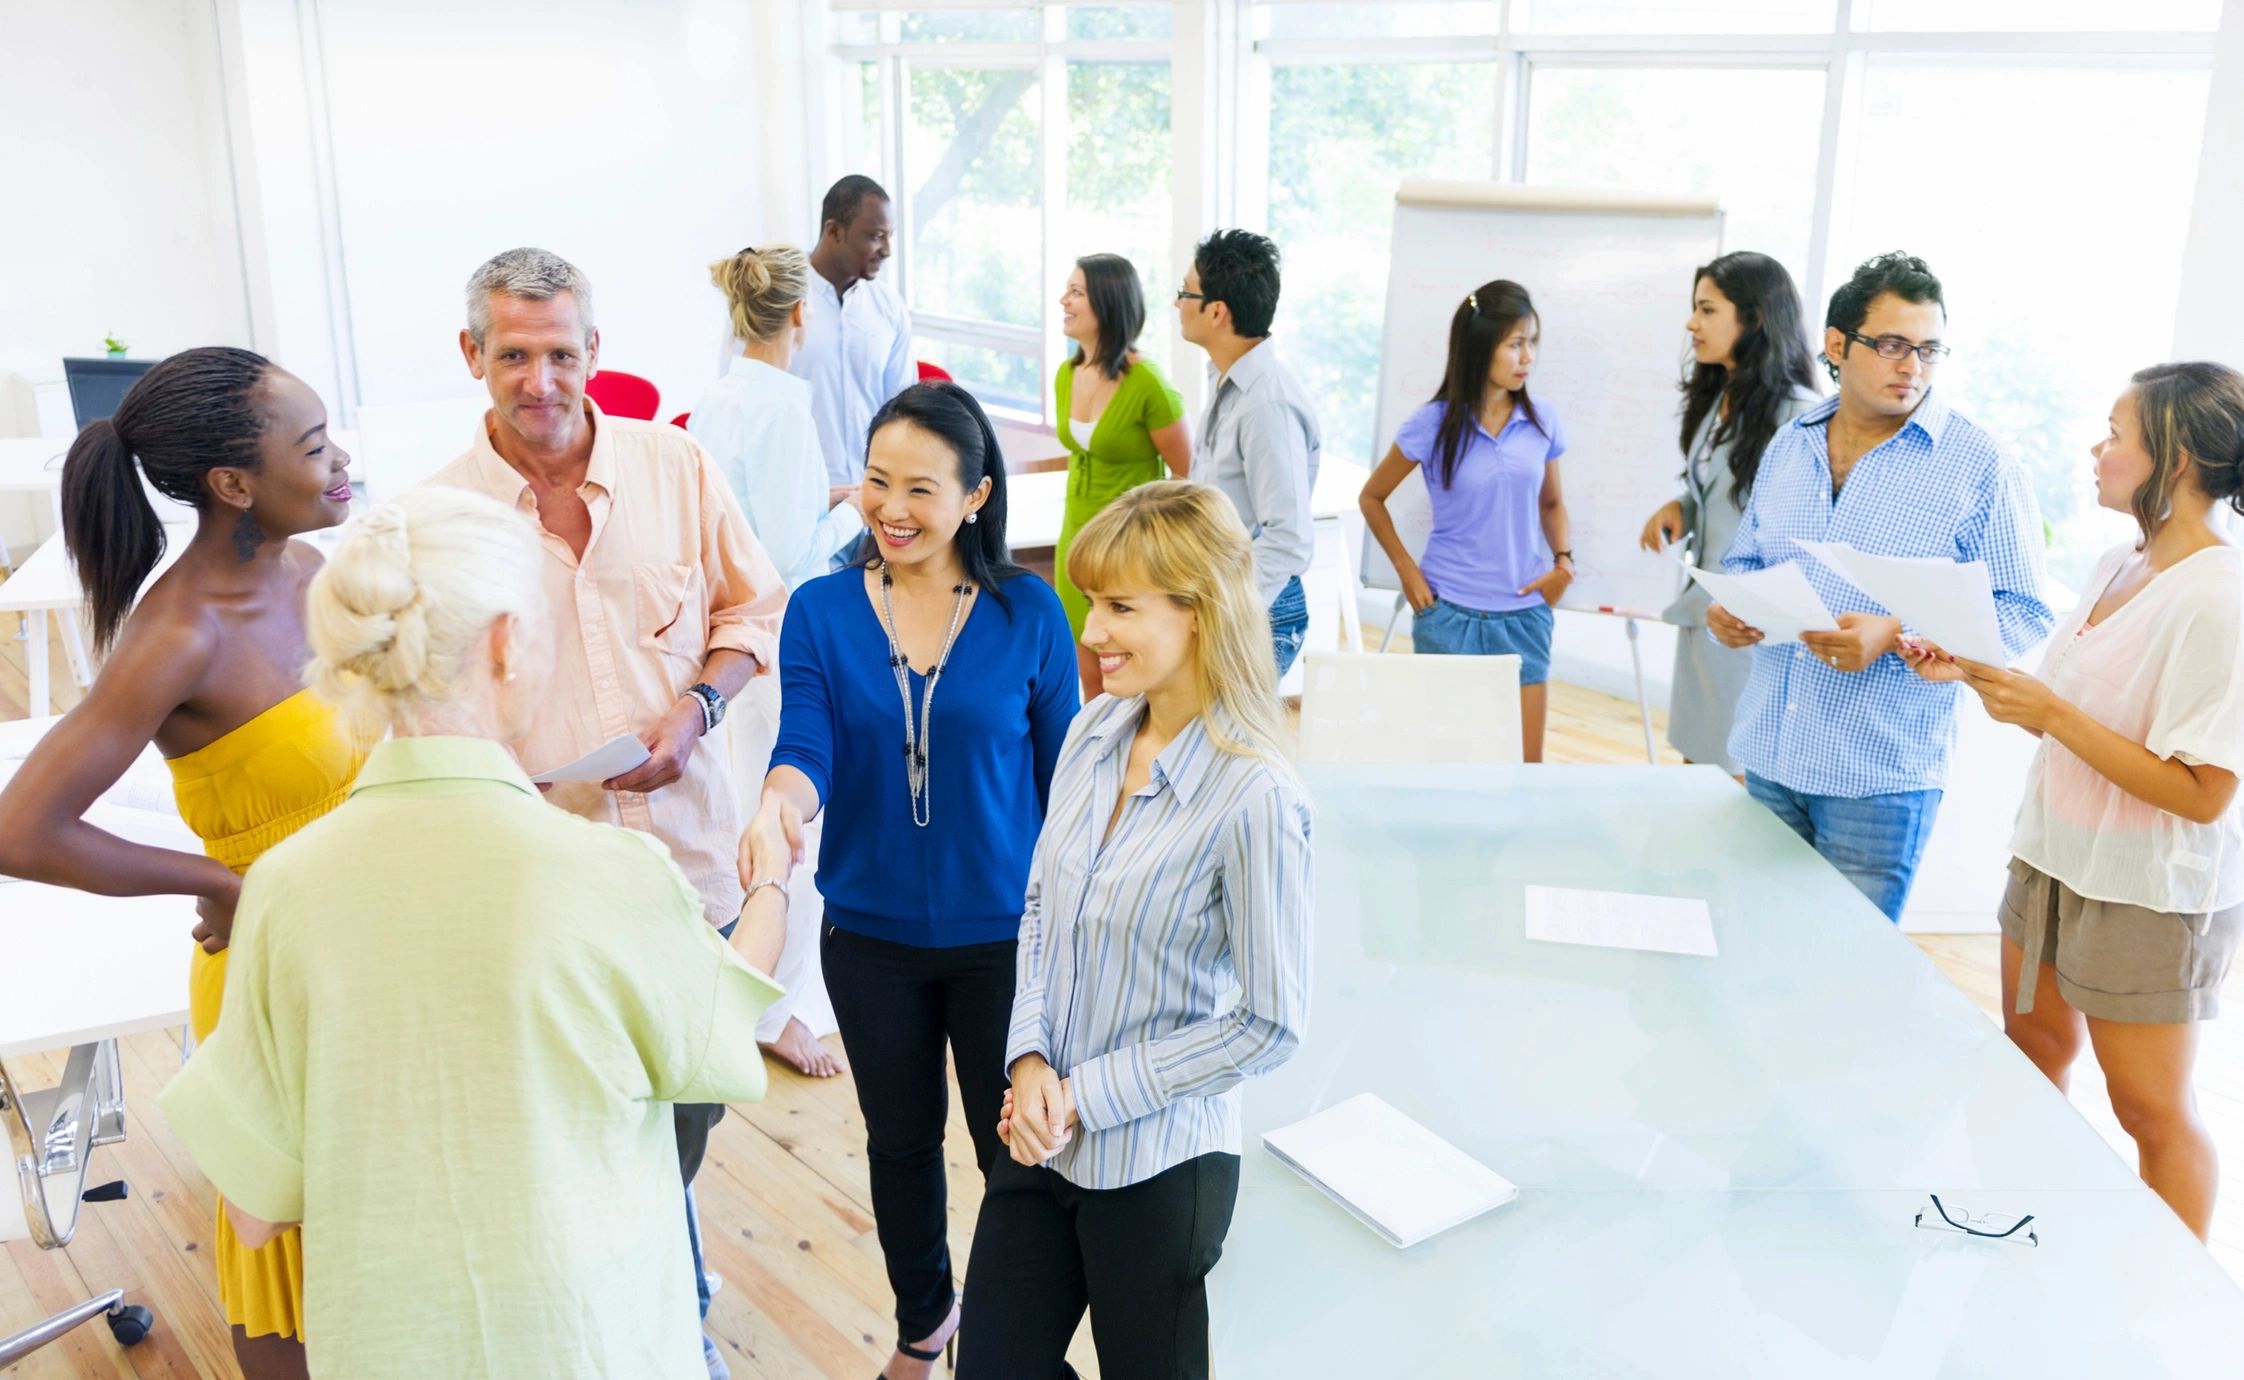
x=1016 y=140
x=2041 y=154
x=2061 y=258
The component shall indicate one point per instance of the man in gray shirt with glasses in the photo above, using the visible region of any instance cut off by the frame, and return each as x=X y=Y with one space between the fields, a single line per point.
x=1259 y=441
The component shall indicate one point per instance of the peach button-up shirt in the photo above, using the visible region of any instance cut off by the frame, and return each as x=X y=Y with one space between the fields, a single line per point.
x=671 y=573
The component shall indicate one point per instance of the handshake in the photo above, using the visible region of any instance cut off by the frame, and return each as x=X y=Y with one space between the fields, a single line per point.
x=1039 y=1112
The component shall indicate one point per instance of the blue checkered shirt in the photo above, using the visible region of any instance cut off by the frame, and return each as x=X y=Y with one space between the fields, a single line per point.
x=1938 y=487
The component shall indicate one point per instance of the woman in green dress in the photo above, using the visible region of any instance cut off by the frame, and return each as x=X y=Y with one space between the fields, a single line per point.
x=1122 y=424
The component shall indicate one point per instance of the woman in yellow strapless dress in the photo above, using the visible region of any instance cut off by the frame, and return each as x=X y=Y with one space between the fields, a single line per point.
x=241 y=794
x=208 y=667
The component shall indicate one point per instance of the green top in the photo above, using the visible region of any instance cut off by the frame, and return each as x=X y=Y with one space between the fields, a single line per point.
x=453 y=1017
x=1117 y=456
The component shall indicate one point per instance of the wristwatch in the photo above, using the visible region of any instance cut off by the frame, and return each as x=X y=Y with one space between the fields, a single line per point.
x=712 y=704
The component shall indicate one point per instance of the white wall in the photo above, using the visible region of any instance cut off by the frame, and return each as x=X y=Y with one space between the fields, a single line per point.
x=626 y=138
x=119 y=213
x=2209 y=323
x=120 y=208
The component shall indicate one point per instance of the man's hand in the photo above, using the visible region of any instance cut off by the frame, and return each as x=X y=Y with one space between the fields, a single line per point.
x=1861 y=639
x=838 y=494
x=1728 y=629
x=670 y=742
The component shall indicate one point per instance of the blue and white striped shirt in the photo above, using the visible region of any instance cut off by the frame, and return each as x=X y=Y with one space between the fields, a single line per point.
x=1133 y=948
x=1939 y=487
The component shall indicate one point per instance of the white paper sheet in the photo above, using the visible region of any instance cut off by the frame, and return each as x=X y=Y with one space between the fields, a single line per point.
x=1394 y=1175
x=1779 y=601
x=611 y=759
x=1950 y=602
x=1620 y=920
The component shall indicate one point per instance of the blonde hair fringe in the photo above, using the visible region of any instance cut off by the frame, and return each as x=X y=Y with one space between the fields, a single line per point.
x=1185 y=541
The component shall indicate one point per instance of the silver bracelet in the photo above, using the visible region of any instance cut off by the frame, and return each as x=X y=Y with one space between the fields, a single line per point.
x=768 y=881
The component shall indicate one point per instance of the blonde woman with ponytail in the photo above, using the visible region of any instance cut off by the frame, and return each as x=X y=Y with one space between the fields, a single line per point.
x=755 y=422
x=1164 y=958
x=455 y=1013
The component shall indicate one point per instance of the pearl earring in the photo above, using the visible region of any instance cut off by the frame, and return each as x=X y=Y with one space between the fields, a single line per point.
x=973 y=517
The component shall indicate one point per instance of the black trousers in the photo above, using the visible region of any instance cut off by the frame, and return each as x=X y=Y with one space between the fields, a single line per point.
x=1138 y=1257
x=898 y=1005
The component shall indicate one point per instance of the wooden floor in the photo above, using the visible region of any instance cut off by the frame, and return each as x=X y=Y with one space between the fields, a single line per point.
x=783 y=1194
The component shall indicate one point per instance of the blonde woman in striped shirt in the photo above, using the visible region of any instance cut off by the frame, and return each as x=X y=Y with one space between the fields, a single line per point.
x=1164 y=958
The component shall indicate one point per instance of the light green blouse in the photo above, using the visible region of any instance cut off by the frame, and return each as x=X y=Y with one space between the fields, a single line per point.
x=452 y=1022
x=1117 y=456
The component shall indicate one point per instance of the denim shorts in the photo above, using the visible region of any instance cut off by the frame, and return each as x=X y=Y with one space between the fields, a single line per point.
x=1447 y=629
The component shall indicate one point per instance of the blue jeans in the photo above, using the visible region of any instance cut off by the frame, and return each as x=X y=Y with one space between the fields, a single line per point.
x=1876 y=841
x=1289 y=623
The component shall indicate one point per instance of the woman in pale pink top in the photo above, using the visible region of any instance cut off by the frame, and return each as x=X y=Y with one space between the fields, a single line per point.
x=2127 y=880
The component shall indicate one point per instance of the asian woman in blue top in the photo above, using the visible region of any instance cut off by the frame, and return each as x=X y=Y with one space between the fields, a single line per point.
x=1499 y=556
x=925 y=692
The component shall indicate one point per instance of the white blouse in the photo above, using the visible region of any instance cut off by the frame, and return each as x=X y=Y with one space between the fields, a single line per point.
x=2165 y=669
x=756 y=424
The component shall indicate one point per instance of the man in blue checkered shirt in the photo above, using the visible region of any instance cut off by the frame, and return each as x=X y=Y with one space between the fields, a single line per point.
x=1835 y=734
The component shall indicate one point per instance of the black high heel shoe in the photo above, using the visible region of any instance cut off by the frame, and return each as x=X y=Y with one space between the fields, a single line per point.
x=946 y=1355
x=950 y=1344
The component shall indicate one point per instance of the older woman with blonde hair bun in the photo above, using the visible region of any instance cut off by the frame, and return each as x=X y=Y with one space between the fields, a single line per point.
x=1164 y=958
x=454 y=1013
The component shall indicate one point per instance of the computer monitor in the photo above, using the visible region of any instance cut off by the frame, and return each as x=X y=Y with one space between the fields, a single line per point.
x=98 y=385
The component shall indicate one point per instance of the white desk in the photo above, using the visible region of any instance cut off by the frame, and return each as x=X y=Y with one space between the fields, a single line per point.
x=79 y=971
x=45 y=584
x=1719 y=1160
x=32 y=464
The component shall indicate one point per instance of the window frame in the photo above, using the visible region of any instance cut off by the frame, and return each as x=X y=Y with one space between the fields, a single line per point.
x=1220 y=85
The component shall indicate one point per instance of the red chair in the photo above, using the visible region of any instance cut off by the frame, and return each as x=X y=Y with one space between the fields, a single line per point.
x=624 y=395
x=681 y=419
x=928 y=373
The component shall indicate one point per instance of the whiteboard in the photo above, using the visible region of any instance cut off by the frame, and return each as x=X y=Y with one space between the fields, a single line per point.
x=1611 y=276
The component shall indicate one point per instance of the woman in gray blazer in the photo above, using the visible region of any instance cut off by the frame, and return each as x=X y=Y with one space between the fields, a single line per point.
x=1751 y=373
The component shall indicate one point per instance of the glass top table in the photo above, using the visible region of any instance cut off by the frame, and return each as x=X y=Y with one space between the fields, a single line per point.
x=1719 y=1160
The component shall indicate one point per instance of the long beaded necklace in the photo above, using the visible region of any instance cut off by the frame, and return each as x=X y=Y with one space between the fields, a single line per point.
x=919 y=734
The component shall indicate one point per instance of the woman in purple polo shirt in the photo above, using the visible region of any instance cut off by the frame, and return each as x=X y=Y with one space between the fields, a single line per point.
x=1499 y=555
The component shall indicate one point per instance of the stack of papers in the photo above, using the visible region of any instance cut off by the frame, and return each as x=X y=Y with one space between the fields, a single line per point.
x=1779 y=601
x=1620 y=920
x=1950 y=602
x=1394 y=1175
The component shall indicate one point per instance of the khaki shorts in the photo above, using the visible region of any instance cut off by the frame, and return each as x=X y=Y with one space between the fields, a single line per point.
x=2118 y=962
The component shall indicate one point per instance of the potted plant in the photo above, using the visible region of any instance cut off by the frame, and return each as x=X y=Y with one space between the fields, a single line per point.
x=115 y=346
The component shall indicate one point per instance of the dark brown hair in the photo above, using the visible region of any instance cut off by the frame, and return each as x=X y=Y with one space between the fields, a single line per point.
x=2190 y=414
x=1481 y=323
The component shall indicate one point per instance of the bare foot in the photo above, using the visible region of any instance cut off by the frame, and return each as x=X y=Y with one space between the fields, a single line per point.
x=799 y=1050
x=902 y=1367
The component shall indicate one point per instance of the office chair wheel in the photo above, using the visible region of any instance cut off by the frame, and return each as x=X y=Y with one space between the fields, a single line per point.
x=130 y=1324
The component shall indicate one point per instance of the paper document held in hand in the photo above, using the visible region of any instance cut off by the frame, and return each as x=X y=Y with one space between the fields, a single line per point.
x=1779 y=601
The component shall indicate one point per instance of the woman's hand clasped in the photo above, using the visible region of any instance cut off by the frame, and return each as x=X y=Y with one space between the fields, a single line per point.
x=1038 y=1116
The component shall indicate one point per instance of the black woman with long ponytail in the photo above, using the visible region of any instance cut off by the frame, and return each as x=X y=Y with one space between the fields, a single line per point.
x=924 y=695
x=205 y=663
